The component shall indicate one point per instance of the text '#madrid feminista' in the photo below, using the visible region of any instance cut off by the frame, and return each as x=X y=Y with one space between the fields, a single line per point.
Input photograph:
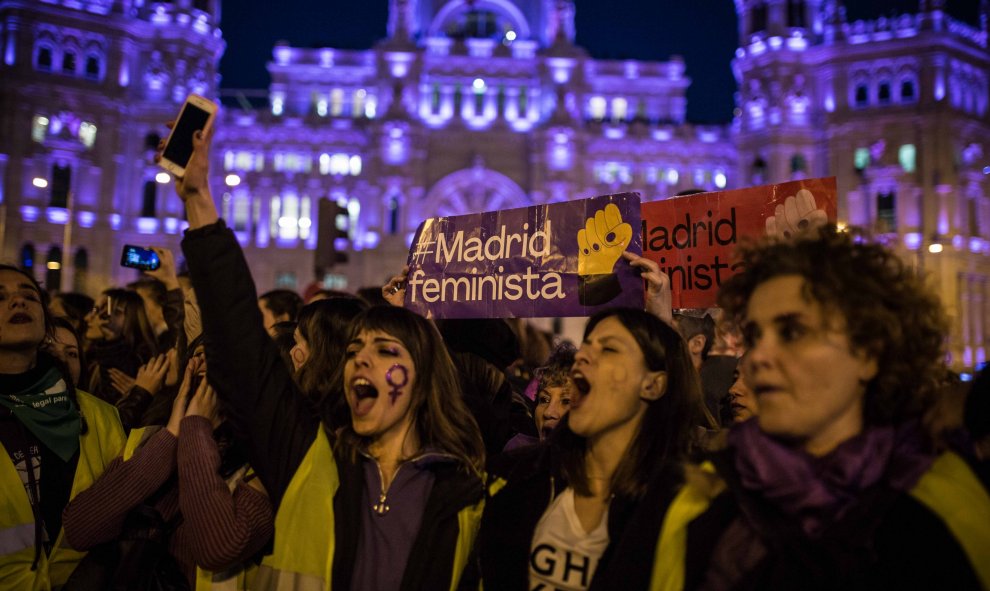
x=530 y=284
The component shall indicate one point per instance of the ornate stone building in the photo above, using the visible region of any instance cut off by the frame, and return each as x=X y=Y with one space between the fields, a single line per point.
x=484 y=104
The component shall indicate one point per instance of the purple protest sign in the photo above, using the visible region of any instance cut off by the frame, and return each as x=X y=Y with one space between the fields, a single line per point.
x=559 y=259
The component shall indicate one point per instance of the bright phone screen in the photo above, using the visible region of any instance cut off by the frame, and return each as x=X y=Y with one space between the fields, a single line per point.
x=180 y=146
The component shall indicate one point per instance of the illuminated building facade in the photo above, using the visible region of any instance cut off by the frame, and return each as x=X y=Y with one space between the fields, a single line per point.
x=470 y=106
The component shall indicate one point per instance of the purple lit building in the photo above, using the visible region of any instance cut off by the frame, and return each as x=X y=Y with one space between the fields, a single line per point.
x=471 y=106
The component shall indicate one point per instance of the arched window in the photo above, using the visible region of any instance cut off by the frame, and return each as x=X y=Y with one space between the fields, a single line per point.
x=53 y=273
x=93 y=67
x=861 y=98
x=149 y=199
x=44 y=60
x=69 y=62
x=27 y=258
x=80 y=270
x=883 y=92
x=798 y=164
x=908 y=90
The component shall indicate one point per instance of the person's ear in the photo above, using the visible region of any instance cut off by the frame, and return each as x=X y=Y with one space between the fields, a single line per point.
x=655 y=386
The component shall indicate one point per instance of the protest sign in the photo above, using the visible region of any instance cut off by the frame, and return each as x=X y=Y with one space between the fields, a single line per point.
x=693 y=238
x=558 y=259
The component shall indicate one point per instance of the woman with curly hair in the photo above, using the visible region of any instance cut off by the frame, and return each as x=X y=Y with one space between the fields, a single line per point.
x=834 y=484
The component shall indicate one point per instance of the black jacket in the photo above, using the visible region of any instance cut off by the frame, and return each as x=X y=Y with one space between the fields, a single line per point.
x=270 y=411
x=532 y=478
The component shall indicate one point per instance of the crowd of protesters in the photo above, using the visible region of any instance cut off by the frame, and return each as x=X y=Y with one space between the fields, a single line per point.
x=182 y=432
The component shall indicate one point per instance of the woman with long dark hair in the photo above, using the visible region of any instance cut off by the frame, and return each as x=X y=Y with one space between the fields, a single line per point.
x=395 y=502
x=584 y=509
x=120 y=340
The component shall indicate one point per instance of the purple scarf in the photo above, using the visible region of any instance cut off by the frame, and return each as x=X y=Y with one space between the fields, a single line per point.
x=818 y=491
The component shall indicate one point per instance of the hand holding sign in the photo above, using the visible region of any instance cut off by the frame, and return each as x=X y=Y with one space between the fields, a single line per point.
x=600 y=244
x=797 y=214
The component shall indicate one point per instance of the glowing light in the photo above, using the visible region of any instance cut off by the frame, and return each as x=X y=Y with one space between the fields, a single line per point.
x=321 y=107
x=115 y=221
x=975 y=245
x=29 y=213
x=163 y=178
x=841 y=226
x=39 y=182
x=232 y=180
x=147 y=225
x=957 y=242
x=672 y=176
x=720 y=179
x=510 y=36
x=54 y=265
x=912 y=240
x=57 y=215
x=305 y=223
x=86 y=219
x=478 y=85
x=278 y=105
x=775 y=42
x=986 y=170
x=935 y=248
x=286 y=222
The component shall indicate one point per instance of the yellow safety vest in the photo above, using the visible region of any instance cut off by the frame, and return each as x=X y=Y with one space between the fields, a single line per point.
x=103 y=442
x=949 y=489
x=302 y=559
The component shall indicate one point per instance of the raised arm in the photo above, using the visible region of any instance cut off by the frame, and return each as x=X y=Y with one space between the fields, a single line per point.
x=243 y=363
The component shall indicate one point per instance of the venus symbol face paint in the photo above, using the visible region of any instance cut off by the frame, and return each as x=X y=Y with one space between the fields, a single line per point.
x=396 y=382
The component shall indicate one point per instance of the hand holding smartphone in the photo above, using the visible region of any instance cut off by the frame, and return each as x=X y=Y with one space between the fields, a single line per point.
x=136 y=257
x=197 y=114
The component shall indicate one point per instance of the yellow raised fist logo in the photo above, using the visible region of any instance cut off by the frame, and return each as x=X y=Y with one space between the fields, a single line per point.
x=600 y=244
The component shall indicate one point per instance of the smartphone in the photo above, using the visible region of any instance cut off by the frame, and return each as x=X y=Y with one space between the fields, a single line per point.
x=197 y=114
x=136 y=257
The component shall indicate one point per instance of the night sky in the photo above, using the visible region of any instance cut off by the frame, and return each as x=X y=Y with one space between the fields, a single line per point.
x=702 y=31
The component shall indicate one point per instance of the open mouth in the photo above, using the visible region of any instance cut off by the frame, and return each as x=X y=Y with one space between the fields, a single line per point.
x=363 y=389
x=20 y=318
x=581 y=389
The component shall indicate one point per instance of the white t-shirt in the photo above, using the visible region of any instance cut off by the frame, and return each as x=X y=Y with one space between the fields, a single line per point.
x=563 y=556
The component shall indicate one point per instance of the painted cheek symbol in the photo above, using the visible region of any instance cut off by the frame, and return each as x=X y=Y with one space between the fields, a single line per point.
x=396 y=385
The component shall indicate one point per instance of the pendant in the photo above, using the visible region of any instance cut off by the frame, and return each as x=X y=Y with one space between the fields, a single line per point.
x=380 y=507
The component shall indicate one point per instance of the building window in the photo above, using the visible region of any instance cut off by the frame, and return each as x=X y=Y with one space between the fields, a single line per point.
x=886 y=212
x=69 y=62
x=907 y=90
x=906 y=156
x=798 y=164
x=393 y=216
x=87 y=134
x=27 y=258
x=336 y=102
x=149 y=199
x=758 y=171
x=44 y=61
x=53 y=271
x=151 y=141
x=357 y=105
x=93 y=67
x=795 y=13
x=80 y=269
x=61 y=182
x=861 y=158
x=523 y=100
x=596 y=108
x=862 y=96
x=883 y=93
x=620 y=109
x=241 y=209
x=759 y=18
x=39 y=128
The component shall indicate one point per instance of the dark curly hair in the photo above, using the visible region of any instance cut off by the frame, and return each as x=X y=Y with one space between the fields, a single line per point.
x=890 y=314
